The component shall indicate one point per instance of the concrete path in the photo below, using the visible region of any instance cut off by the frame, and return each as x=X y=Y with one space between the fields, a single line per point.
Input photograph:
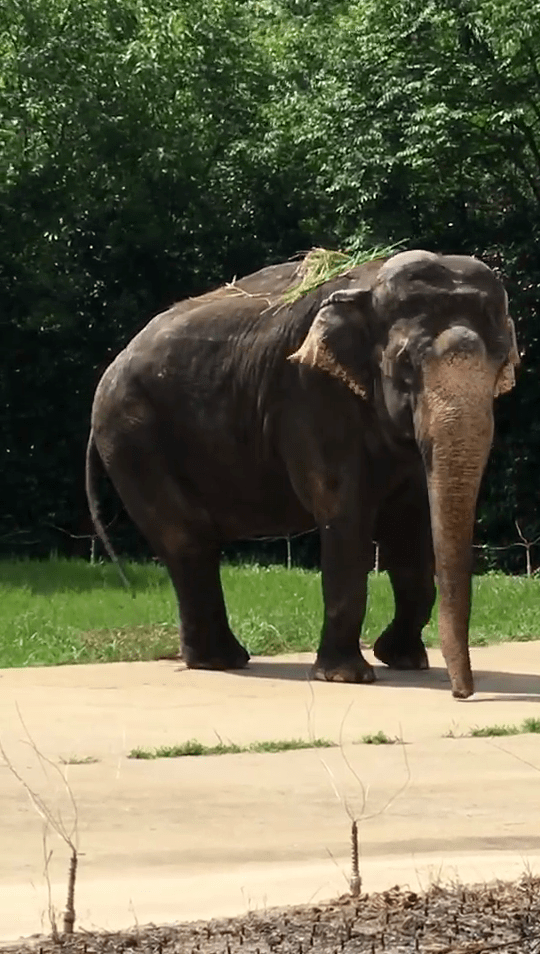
x=175 y=839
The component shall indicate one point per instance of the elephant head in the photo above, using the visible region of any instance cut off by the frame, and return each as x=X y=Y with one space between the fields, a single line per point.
x=430 y=345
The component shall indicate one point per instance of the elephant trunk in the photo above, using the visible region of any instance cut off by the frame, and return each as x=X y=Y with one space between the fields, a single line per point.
x=455 y=431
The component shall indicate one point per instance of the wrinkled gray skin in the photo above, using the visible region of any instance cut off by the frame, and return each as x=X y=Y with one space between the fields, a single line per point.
x=365 y=408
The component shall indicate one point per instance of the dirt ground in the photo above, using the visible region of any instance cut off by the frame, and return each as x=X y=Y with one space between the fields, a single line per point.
x=444 y=920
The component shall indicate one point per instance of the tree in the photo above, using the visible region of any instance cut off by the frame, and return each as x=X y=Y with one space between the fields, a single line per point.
x=150 y=149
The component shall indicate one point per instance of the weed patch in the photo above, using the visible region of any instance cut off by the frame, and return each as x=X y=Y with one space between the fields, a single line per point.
x=193 y=747
x=378 y=738
x=530 y=725
x=79 y=760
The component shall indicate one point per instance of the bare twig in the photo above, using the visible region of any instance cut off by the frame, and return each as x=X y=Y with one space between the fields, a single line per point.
x=342 y=873
x=365 y=792
x=232 y=286
x=527 y=545
x=13 y=533
x=52 y=820
x=58 y=824
x=355 y=881
x=47 y=855
x=79 y=536
x=398 y=791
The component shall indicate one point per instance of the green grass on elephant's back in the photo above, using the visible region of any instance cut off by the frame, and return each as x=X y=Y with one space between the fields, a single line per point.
x=67 y=611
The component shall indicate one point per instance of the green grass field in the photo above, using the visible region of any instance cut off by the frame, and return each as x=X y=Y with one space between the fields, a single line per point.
x=67 y=611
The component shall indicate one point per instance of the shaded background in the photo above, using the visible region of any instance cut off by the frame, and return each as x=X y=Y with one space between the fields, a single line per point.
x=151 y=149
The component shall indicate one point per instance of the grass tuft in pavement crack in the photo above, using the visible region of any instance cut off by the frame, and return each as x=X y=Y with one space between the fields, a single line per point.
x=530 y=725
x=79 y=760
x=194 y=747
x=378 y=738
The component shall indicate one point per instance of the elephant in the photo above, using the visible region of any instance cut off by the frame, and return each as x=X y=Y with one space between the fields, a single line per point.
x=364 y=408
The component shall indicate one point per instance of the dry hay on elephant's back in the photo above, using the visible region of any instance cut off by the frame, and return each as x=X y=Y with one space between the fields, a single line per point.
x=444 y=920
x=312 y=269
x=322 y=265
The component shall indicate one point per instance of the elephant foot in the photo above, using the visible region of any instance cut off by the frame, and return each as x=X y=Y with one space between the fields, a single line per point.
x=228 y=655
x=400 y=653
x=463 y=686
x=339 y=669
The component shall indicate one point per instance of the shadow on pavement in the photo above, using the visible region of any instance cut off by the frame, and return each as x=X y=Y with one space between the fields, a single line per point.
x=515 y=686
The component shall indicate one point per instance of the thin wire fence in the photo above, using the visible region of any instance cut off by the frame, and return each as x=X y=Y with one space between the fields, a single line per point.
x=523 y=543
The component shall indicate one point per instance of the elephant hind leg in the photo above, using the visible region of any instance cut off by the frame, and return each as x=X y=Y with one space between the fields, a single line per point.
x=207 y=641
x=406 y=552
x=180 y=533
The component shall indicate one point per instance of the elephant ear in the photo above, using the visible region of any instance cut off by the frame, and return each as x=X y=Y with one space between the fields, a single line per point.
x=506 y=378
x=339 y=341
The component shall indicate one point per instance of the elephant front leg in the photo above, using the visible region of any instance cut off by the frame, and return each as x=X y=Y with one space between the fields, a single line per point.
x=406 y=552
x=346 y=558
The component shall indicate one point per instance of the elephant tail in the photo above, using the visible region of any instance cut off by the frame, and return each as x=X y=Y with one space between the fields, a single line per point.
x=93 y=462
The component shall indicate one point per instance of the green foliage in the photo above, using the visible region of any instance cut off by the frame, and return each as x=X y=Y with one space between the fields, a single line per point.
x=416 y=111
x=150 y=150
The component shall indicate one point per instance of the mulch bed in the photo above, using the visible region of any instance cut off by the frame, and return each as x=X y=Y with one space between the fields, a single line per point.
x=444 y=920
